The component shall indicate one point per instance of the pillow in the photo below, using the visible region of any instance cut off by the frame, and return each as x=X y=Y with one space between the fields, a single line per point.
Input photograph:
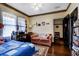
x=31 y=45
x=13 y=42
x=24 y=45
x=6 y=39
x=45 y=37
x=1 y=40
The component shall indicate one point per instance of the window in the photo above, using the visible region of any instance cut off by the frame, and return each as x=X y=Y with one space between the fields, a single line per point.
x=21 y=24
x=9 y=21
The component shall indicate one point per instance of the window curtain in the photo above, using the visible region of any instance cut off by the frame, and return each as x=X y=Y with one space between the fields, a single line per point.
x=9 y=21
x=21 y=24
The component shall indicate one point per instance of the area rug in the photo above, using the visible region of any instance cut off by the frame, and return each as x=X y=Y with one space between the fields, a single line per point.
x=42 y=50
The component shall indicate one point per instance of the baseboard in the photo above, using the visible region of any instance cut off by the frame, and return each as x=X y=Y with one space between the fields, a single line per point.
x=61 y=38
x=52 y=43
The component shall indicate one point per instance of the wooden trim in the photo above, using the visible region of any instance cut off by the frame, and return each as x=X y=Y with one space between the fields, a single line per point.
x=53 y=12
x=52 y=43
x=58 y=24
x=14 y=9
x=76 y=27
x=5 y=4
x=60 y=19
x=68 y=6
x=49 y=13
x=61 y=38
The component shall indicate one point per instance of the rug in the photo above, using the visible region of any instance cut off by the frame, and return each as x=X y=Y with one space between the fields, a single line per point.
x=42 y=50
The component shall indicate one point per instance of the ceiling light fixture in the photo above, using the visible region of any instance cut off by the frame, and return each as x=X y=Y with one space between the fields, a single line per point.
x=36 y=6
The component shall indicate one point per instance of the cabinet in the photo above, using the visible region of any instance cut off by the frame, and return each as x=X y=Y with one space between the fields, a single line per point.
x=75 y=32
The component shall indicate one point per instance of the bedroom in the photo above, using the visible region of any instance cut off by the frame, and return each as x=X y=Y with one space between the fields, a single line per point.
x=21 y=30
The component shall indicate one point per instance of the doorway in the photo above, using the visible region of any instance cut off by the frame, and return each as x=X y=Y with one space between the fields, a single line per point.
x=58 y=31
x=59 y=48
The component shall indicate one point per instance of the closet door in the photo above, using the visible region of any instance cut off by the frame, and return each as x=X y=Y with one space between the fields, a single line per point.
x=66 y=30
x=75 y=25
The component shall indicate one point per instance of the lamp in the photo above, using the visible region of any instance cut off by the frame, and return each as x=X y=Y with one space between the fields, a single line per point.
x=36 y=6
x=30 y=26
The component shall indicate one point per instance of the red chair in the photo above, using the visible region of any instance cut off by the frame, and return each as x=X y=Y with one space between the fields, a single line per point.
x=1 y=25
x=43 y=40
x=46 y=41
x=1 y=40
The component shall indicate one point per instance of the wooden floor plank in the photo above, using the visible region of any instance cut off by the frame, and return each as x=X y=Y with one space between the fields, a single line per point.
x=59 y=49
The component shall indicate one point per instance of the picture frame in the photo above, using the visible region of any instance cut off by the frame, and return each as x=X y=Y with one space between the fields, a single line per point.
x=43 y=23
x=39 y=24
x=47 y=23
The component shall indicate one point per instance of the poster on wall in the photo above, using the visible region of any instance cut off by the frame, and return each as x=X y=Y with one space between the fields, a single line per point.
x=47 y=23
x=43 y=23
x=39 y=24
x=36 y=24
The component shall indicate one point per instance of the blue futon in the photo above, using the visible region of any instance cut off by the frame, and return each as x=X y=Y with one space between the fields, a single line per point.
x=17 y=48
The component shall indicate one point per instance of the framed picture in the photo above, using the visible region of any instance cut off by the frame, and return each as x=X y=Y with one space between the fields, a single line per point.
x=36 y=24
x=39 y=24
x=43 y=23
x=47 y=23
x=57 y=26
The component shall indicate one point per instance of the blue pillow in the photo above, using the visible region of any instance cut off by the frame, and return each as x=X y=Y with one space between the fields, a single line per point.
x=6 y=39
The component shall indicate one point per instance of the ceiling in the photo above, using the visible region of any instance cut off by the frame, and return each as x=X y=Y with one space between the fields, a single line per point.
x=28 y=9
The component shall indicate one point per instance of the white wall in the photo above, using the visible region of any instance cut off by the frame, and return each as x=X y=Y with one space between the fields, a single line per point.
x=47 y=18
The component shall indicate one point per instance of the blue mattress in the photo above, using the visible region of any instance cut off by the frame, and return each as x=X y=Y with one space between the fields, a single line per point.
x=16 y=48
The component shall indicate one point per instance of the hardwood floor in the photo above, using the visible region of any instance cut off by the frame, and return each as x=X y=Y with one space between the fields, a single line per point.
x=50 y=51
x=59 y=49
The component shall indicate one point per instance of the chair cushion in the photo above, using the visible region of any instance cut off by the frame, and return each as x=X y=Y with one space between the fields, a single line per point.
x=44 y=41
